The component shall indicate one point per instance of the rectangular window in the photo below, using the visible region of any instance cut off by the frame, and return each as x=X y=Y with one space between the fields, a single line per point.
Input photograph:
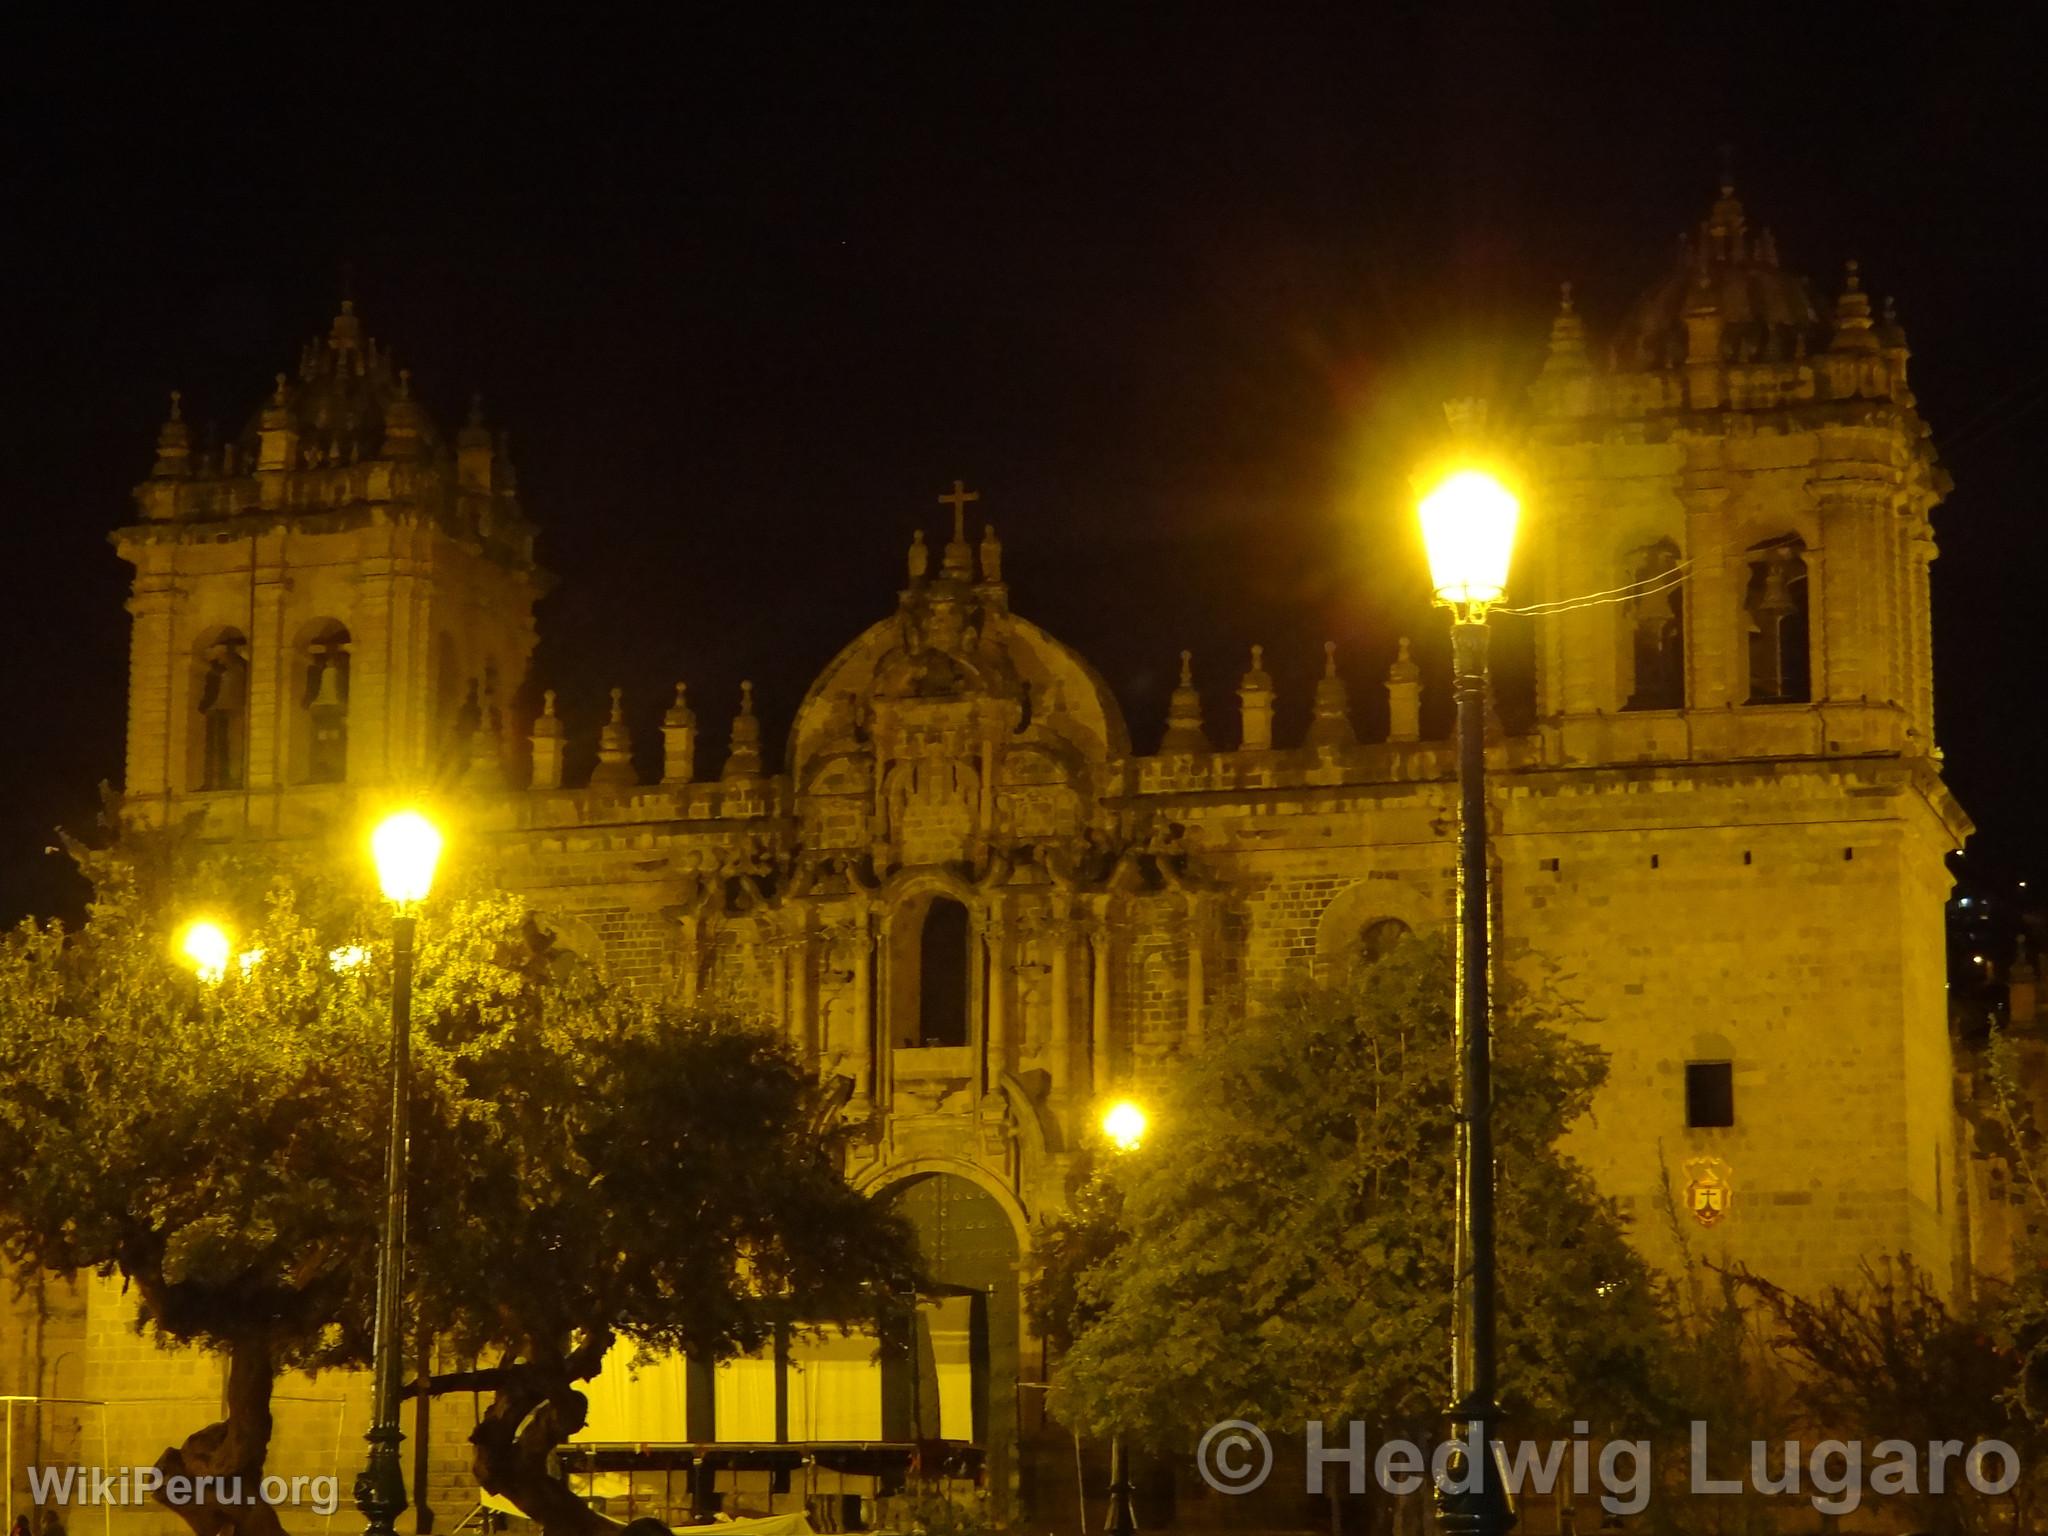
x=1709 y=1094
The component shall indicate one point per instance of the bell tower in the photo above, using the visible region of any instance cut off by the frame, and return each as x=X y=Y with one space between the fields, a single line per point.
x=338 y=599
x=1749 y=474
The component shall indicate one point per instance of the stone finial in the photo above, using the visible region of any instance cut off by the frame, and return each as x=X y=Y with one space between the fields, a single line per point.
x=920 y=557
x=614 y=748
x=1404 y=697
x=473 y=449
x=486 y=747
x=1255 y=701
x=404 y=422
x=1890 y=334
x=173 y=443
x=277 y=433
x=991 y=555
x=1567 y=335
x=744 y=760
x=678 y=741
x=547 y=745
x=1853 y=332
x=1330 y=717
x=1184 y=731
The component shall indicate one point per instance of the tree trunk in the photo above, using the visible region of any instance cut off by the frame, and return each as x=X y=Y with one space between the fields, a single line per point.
x=231 y=1453
x=535 y=1409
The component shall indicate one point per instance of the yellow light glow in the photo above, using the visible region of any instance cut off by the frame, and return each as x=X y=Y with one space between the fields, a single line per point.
x=1468 y=527
x=1124 y=1123
x=205 y=947
x=249 y=959
x=346 y=958
x=406 y=847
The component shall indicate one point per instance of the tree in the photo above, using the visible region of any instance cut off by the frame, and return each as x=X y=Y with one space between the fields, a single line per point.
x=589 y=1163
x=1285 y=1249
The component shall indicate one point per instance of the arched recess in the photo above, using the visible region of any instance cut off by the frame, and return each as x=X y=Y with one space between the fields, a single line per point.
x=317 y=683
x=1653 y=629
x=1777 y=610
x=1357 y=910
x=930 y=947
x=217 y=732
x=966 y=1340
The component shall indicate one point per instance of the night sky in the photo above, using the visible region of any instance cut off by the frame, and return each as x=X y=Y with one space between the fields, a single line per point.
x=1177 y=288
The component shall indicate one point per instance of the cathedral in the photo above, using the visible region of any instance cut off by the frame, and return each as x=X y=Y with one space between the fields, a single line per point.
x=962 y=896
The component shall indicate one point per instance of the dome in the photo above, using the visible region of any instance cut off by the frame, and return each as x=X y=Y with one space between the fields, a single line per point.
x=345 y=390
x=1765 y=311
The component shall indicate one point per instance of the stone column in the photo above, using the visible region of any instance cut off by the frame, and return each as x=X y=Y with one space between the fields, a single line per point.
x=153 y=734
x=803 y=1030
x=273 y=679
x=1716 y=649
x=1060 y=933
x=863 y=1009
x=1098 y=1015
x=1197 y=930
x=996 y=943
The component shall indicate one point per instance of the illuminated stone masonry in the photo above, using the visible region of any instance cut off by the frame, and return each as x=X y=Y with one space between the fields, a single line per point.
x=965 y=899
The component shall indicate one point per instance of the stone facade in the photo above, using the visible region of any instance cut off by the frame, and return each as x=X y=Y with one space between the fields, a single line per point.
x=967 y=901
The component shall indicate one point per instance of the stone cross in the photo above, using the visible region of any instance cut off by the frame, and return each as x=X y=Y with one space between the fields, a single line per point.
x=957 y=499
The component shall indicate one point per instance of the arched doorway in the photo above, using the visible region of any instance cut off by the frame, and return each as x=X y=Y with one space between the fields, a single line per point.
x=967 y=1344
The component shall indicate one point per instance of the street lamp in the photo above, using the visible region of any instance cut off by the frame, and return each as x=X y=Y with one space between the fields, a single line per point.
x=205 y=947
x=1468 y=526
x=1124 y=1123
x=405 y=848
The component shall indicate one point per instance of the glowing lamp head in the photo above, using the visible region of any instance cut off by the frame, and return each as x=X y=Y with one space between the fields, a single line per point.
x=204 y=946
x=406 y=847
x=1468 y=527
x=1124 y=1124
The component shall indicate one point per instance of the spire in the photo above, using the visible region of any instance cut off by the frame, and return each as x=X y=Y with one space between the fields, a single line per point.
x=678 y=742
x=173 y=444
x=404 y=422
x=547 y=745
x=1330 y=718
x=1567 y=335
x=277 y=433
x=473 y=449
x=1404 y=697
x=1184 y=731
x=1852 y=315
x=614 y=748
x=1255 y=702
x=744 y=760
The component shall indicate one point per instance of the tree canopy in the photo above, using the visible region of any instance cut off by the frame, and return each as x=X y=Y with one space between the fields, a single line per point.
x=1282 y=1242
x=589 y=1162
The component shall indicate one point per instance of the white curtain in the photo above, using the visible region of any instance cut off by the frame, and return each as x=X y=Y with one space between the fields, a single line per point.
x=835 y=1387
x=745 y=1395
x=951 y=1323
x=637 y=1404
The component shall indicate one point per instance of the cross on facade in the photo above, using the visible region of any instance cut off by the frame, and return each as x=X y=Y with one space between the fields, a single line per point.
x=957 y=499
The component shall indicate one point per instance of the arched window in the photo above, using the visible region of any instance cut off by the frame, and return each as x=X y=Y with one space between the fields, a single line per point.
x=221 y=743
x=943 y=970
x=1780 y=660
x=1378 y=938
x=1658 y=632
x=322 y=699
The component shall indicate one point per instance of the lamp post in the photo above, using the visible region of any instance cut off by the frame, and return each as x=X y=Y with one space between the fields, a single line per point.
x=1468 y=525
x=1124 y=1124
x=406 y=848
